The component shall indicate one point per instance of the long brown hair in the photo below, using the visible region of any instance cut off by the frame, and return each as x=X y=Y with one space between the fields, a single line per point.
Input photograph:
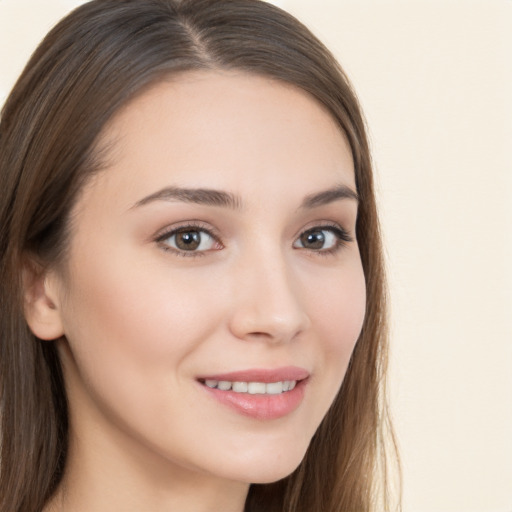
x=89 y=66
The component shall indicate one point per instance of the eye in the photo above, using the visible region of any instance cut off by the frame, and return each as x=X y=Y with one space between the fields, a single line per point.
x=189 y=239
x=323 y=239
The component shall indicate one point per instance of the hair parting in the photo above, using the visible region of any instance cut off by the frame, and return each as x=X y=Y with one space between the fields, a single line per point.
x=91 y=64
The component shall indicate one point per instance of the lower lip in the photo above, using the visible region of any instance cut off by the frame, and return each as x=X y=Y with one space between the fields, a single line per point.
x=259 y=406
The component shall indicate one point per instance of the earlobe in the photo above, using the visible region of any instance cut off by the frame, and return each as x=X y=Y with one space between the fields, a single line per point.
x=41 y=307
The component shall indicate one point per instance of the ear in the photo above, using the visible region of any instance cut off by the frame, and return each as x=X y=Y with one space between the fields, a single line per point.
x=41 y=305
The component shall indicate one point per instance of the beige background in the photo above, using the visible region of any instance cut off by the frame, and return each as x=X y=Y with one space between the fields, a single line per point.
x=435 y=80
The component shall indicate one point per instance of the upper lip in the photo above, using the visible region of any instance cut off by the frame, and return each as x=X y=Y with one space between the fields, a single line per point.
x=266 y=375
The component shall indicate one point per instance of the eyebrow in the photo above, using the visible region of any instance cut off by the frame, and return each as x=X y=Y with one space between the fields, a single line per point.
x=329 y=196
x=205 y=196
x=212 y=197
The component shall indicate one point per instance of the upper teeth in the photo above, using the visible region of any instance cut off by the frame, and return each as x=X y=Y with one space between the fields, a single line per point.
x=253 y=388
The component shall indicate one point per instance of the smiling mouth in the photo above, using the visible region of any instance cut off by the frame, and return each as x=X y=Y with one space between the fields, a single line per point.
x=262 y=394
x=258 y=400
x=251 y=388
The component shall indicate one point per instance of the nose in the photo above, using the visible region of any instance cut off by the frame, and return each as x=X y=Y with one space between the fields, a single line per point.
x=267 y=301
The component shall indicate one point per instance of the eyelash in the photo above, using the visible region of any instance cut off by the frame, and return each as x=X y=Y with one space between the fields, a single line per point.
x=190 y=226
x=342 y=238
x=341 y=234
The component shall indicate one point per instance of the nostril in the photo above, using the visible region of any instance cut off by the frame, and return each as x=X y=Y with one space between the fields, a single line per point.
x=259 y=334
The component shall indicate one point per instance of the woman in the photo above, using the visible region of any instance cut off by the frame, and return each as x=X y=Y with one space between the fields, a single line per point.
x=192 y=300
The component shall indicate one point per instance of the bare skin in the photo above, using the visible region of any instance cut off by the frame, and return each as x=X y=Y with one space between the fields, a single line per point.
x=163 y=288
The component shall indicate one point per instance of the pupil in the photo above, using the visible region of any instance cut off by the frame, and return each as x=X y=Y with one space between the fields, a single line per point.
x=188 y=240
x=313 y=240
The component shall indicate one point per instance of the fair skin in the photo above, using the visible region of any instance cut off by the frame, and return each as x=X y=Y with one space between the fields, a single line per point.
x=264 y=276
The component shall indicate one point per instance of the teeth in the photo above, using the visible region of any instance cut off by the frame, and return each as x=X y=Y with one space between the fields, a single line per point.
x=224 y=385
x=240 y=387
x=274 y=388
x=256 y=388
x=253 y=388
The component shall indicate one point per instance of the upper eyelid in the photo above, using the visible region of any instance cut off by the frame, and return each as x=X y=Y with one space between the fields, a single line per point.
x=172 y=231
x=325 y=224
x=344 y=235
x=198 y=225
x=187 y=225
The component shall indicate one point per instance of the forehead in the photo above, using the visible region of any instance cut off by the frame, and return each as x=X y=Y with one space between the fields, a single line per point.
x=226 y=130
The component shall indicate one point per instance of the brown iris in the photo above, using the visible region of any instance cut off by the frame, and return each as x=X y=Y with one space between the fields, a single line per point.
x=312 y=239
x=188 y=240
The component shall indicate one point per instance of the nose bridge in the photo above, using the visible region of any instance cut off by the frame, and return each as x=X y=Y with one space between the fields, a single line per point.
x=267 y=303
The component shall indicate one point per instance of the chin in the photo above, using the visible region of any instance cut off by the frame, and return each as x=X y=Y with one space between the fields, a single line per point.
x=269 y=470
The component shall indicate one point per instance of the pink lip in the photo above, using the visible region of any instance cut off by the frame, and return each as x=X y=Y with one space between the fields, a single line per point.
x=259 y=406
x=261 y=375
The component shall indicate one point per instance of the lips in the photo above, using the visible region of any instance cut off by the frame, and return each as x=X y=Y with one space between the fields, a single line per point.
x=261 y=375
x=263 y=394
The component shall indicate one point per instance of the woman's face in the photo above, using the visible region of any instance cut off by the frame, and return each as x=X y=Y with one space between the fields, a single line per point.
x=213 y=265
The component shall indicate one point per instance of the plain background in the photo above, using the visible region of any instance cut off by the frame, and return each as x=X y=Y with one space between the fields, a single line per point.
x=435 y=81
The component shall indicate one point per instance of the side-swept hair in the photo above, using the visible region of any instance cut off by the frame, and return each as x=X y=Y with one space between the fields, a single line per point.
x=88 y=67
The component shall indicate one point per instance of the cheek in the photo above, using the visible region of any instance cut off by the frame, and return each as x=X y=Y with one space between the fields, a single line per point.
x=338 y=314
x=339 y=310
x=145 y=307
x=134 y=325
x=132 y=330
